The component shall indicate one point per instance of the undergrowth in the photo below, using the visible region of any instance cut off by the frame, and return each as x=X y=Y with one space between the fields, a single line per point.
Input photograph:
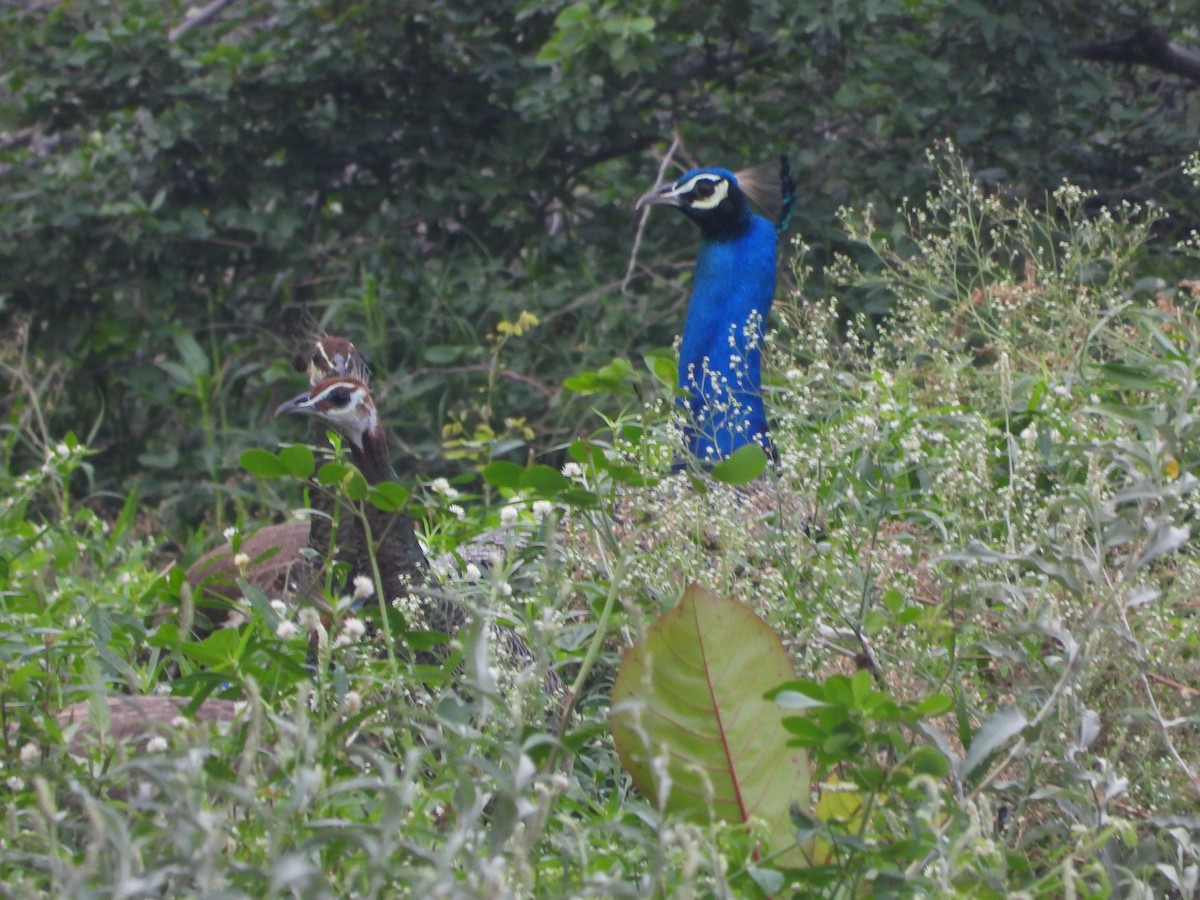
x=981 y=520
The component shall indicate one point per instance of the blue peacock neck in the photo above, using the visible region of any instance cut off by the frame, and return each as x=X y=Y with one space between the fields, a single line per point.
x=720 y=356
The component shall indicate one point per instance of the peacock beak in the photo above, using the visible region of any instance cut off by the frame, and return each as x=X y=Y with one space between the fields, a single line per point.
x=664 y=194
x=298 y=404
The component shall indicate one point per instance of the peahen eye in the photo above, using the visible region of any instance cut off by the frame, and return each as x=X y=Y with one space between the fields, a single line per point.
x=340 y=397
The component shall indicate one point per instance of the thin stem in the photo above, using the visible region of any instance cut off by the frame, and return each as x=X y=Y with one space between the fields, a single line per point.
x=641 y=229
x=361 y=512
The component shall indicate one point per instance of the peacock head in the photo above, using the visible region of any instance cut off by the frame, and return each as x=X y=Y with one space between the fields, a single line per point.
x=719 y=201
x=712 y=198
x=342 y=402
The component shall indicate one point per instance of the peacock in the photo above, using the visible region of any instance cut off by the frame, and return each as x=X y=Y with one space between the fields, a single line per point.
x=721 y=530
x=733 y=288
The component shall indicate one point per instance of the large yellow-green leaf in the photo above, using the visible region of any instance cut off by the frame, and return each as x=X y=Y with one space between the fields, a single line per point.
x=690 y=693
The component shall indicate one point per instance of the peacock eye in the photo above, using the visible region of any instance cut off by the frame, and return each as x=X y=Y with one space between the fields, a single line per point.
x=704 y=189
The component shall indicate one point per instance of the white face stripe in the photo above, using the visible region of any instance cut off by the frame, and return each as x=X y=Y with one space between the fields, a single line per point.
x=352 y=420
x=720 y=190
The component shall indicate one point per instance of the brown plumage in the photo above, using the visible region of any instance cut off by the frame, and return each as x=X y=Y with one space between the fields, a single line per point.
x=335 y=355
x=342 y=401
x=134 y=720
x=345 y=404
x=278 y=566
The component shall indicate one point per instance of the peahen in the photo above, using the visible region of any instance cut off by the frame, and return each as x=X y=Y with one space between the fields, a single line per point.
x=344 y=403
x=732 y=292
x=278 y=566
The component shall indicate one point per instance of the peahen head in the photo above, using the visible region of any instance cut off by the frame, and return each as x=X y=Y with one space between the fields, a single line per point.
x=345 y=404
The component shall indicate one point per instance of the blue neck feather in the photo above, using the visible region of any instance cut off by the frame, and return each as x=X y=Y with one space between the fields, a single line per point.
x=719 y=361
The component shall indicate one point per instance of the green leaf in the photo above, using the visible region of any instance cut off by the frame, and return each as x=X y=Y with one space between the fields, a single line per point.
x=746 y=464
x=442 y=354
x=543 y=480
x=1165 y=539
x=663 y=368
x=262 y=463
x=838 y=691
x=935 y=705
x=218 y=649
x=194 y=358
x=862 y=685
x=503 y=474
x=692 y=692
x=1000 y=727
x=1129 y=376
x=388 y=496
x=874 y=621
x=583 y=383
x=355 y=484
x=333 y=472
x=298 y=460
x=928 y=761
x=168 y=459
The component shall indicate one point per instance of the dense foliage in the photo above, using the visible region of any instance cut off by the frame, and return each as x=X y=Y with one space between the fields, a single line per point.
x=989 y=602
x=416 y=177
x=976 y=548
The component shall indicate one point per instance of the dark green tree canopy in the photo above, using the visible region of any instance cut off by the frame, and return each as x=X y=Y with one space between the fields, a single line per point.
x=418 y=173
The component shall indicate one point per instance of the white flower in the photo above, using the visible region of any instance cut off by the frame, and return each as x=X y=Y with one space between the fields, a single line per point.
x=364 y=587
x=508 y=515
x=572 y=470
x=542 y=508
x=472 y=573
x=353 y=628
x=352 y=702
x=457 y=511
x=279 y=606
x=15 y=783
x=286 y=630
x=156 y=744
x=442 y=486
x=309 y=618
x=504 y=588
x=30 y=753
x=241 y=560
x=229 y=533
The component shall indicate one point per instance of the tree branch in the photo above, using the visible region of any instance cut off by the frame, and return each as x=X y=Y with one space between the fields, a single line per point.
x=1147 y=46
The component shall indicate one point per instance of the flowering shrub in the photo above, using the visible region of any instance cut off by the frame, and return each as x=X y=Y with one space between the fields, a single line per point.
x=975 y=546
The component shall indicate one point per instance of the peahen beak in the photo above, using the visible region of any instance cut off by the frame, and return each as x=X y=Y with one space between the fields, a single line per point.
x=298 y=404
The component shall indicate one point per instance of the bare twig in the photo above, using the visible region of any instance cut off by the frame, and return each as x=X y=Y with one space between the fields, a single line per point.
x=637 y=240
x=1164 y=730
x=194 y=18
